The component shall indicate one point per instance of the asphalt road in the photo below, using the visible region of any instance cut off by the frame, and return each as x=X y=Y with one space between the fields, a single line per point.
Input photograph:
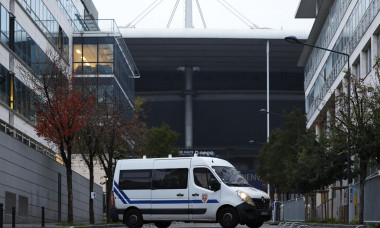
x=202 y=225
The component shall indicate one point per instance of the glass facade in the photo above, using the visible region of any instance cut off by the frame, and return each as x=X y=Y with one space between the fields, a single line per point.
x=103 y=67
x=335 y=16
x=355 y=27
x=73 y=14
x=48 y=24
x=4 y=25
x=27 y=50
x=13 y=92
x=4 y=87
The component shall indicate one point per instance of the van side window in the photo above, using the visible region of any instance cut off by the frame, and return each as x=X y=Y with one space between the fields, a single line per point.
x=170 y=178
x=202 y=177
x=135 y=179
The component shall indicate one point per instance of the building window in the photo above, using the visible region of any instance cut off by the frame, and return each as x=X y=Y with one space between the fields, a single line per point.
x=48 y=24
x=358 y=72
x=170 y=178
x=202 y=177
x=93 y=58
x=369 y=60
x=4 y=25
x=135 y=179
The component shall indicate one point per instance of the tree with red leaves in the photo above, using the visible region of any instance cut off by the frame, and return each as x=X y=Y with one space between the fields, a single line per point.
x=61 y=113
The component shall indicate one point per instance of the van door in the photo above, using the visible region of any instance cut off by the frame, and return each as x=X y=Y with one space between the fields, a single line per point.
x=170 y=193
x=134 y=189
x=204 y=202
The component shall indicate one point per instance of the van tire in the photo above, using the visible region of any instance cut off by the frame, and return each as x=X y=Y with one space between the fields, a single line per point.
x=228 y=217
x=133 y=218
x=162 y=224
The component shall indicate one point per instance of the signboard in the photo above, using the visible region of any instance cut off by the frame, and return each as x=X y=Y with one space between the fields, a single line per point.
x=253 y=179
x=93 y=195
x=199 y=152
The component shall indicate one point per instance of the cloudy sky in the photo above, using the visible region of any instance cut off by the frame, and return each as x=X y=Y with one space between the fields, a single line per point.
x=277 y=14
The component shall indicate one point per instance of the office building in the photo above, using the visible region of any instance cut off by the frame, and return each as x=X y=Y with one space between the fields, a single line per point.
x=94 y=49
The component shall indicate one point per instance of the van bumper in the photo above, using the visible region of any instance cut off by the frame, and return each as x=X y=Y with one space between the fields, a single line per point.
x=249 y=214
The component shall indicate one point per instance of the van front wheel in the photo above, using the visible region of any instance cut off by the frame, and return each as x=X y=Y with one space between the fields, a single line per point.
x=228 y=217
x=133 y=219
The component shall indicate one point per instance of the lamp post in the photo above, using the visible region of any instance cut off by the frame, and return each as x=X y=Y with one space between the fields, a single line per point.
x=294 y=40
x=264 y=111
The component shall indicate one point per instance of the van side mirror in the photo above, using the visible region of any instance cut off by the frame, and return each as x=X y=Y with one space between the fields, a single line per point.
x=214 y=184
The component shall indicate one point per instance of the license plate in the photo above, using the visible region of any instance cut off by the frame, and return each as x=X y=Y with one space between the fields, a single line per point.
x=264 y=213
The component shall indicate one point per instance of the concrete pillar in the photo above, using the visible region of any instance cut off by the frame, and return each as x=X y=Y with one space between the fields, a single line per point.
x=189 y=107
x=189 y=14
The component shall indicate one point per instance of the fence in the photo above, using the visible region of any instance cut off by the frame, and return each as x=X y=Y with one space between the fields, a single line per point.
x=372 y=200
x=294 y=210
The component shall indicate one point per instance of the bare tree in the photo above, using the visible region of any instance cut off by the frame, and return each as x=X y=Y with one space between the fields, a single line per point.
x=61 y=112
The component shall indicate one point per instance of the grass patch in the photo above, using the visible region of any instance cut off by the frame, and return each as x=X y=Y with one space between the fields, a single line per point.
x=325 y=221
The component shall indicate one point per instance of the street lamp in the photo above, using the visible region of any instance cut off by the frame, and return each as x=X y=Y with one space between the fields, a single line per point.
x=264 y=111
x=294 y=40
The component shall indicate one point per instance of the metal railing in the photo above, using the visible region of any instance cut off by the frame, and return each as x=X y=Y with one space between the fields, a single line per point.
x=17 y=134
x=294 y=210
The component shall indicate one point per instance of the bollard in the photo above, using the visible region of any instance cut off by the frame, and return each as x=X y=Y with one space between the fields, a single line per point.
x=13 y=217
x=43 y=216
x=1 y=215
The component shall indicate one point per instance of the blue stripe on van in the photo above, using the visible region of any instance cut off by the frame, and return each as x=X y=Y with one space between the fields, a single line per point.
x=116 y=191
x=121 y=194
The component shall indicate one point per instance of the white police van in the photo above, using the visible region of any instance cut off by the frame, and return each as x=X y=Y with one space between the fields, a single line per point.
x=192 y=189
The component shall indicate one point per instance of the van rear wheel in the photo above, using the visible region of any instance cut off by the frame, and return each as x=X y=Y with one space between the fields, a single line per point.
x=228 y=217
x=133 y=219
x=162 y=224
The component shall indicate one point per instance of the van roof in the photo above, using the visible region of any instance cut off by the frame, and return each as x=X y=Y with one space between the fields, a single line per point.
x=209 y=161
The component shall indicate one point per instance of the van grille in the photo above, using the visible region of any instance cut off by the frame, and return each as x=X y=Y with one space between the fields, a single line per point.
x=262 y=203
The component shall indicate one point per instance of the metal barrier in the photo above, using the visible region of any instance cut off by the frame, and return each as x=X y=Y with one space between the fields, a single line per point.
x=294 y=210
x=15 y=133
x=372 y=199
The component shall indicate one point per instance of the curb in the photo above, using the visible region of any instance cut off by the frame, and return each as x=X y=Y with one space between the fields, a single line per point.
x=330 y=225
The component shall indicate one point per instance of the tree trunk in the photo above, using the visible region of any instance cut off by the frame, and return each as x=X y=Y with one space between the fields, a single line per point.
x=69 y=178
x=363 y=175
x=108 y=197
x=91 y=205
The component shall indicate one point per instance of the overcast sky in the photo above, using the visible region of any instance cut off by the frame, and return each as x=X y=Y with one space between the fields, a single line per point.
x=274 y=14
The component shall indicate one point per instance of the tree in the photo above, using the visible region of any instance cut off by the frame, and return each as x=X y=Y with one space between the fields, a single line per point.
x=115 y=143
x=61 y=113
x=279 y=156
x=290 y=167
x=136 y=129
x=87 y=144
x=317 y=166
x=360 y=128
x=160 y=142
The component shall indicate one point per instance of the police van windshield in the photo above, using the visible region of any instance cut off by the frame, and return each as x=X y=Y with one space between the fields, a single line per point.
x=230 y=176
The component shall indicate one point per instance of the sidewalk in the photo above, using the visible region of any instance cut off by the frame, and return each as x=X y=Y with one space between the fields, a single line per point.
x=53 y=225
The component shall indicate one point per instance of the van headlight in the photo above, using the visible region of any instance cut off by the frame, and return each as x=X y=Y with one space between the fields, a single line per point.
x=245 y=197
